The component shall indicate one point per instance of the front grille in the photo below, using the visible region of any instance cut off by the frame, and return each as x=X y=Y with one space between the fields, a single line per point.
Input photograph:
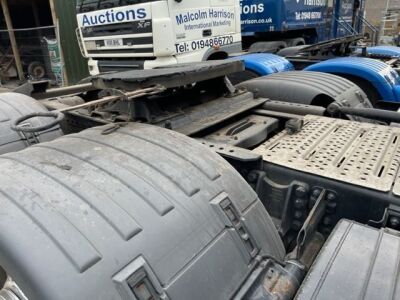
x=121 y=51
x=135 y=27
x=124 y=38
x=120 y=65
x=147 y=40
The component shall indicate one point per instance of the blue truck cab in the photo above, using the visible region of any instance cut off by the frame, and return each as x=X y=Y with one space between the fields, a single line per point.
x=282 y=15
x=347 y=17
x=378 y=79
x=294 y=21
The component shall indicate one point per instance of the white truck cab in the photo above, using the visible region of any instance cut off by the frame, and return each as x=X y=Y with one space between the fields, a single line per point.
x=133 y=34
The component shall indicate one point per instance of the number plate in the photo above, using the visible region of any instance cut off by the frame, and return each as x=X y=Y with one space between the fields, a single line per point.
x=114 y=43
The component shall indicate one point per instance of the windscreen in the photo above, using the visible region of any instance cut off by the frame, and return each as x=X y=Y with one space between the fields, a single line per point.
x=83 y=6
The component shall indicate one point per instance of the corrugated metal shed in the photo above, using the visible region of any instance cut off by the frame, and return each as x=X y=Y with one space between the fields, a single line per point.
x=76 y=65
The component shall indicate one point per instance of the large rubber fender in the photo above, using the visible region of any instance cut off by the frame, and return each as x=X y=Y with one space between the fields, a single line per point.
x=265 y=63
x=260 y=64
x=311 y=88
x=378 y=74
x=89 y=214
x=14 y=106
x=381 y=51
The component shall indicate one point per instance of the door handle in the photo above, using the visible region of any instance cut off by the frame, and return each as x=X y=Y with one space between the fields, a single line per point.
x=207 y=32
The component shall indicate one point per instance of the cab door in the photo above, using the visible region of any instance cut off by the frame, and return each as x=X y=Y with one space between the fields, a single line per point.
x=190 y=18
x=343 y=18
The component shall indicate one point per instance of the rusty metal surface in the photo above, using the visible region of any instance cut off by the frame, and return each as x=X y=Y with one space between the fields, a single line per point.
x=311 y=223
x=366 y=155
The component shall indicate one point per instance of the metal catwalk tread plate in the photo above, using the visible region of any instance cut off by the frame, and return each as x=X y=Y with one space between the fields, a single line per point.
x=362 y=154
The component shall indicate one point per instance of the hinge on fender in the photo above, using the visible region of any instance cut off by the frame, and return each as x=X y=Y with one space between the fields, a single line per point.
x=141 y=286
x=137 y=279
x=237 y=223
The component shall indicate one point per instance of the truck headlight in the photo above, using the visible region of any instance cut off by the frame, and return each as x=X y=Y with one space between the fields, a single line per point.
x=90 y=45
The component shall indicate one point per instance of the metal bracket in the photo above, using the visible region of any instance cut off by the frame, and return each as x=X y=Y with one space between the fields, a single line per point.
x=231 y=217
x=311 y=223
x=287 y=204
x=234 y=153
x=30 y=138
x=230 y=87
x=390 y=218
x=113 y=92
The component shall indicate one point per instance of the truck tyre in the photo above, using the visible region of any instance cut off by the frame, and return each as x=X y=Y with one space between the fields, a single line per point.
x=295 y=42
x=267 y=47
x=290 y=51
x=102 y=209
x=36 y=70
x=14 y=106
